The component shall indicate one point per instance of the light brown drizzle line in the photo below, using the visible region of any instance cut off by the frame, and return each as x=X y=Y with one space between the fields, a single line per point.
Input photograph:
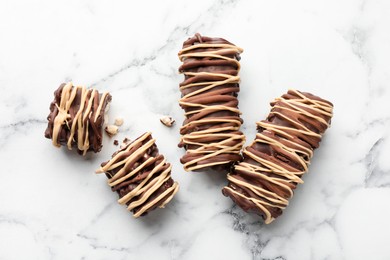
x=68 y=95
x=268 y=166
x=143 y=190
x=196 y=135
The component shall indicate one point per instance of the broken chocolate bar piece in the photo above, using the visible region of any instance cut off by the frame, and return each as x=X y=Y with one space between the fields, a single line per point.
x=211 y=131
x=141 y=176
x=76 y=118
x=274 y=163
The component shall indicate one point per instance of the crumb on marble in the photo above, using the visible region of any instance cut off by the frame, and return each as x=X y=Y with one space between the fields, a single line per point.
x=118 y=121
x=111 y=130
x=167 y=121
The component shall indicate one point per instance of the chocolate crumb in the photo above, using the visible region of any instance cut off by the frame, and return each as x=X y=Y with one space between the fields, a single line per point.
x=125 y=142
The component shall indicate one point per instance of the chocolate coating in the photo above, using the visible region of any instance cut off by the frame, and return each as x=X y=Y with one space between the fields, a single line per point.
x=210 y=132
x=140 y=176
x=76 y=118
x=274 y=163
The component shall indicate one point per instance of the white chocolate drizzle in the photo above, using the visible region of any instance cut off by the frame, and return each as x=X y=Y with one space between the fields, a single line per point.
x=225 y=127
x=146 y=187
x=82 y=118
x=273 y=171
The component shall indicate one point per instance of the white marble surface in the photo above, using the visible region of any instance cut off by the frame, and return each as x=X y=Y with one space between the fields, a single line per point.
x=53 y=206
